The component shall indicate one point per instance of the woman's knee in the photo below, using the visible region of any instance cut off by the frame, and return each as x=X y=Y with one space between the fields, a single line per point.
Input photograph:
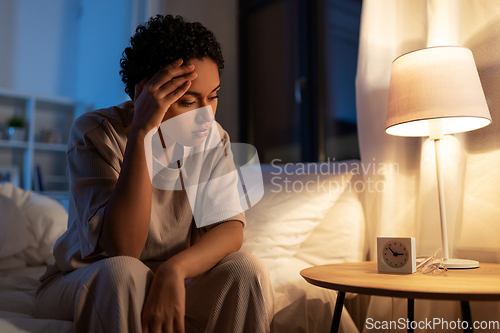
x=249 y=272
x=119 y=276
x=245 y=266
x=124 y=273
x=104 y=280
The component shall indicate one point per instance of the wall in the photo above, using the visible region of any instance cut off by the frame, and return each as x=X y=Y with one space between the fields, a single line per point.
x=103 y=34
x=68 y=48
x=221 y=17
x=7 y=40
x=38 y=46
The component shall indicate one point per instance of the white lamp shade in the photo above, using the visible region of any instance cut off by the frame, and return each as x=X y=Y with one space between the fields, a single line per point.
x=435 y=83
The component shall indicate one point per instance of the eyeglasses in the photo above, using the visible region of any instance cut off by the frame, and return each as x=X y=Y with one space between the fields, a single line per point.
x=432 y=264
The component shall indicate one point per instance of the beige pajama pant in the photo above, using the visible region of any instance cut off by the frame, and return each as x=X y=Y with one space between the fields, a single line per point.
x=107 y=296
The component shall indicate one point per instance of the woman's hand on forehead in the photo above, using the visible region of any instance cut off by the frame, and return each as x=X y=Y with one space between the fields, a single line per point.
x=153 y=97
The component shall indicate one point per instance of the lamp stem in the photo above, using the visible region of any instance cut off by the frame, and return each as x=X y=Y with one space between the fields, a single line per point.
x=442 y=209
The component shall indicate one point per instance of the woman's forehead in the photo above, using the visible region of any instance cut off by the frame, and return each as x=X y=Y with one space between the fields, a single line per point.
x=207 y=78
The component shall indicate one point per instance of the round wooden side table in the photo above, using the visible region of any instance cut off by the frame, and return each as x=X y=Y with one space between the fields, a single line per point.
x=464 y=285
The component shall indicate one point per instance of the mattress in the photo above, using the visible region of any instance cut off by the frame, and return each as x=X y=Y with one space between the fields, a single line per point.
x=17 y=297
x=301 y=307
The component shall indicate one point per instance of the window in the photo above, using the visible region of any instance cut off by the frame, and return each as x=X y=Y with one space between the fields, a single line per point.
x=297 y=66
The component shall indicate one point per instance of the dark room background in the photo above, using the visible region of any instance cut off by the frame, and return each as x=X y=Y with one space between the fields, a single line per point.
x=297 y=66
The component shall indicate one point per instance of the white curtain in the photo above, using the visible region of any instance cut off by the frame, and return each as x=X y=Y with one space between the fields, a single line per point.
x=405 y=203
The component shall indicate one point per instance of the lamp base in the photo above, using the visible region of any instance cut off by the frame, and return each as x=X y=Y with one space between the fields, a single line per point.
x=461 y=263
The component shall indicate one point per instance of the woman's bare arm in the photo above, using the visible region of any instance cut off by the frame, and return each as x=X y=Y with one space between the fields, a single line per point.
x=127 y=214
x=212 y=247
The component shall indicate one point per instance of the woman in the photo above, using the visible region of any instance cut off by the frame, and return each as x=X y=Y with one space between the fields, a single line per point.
x=132 y=258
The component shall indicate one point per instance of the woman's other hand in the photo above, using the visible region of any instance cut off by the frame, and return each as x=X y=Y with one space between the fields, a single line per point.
x=165 y=304
x=153 y=97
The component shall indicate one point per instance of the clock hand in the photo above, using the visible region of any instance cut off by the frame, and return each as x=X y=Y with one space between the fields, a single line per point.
x=395 y=253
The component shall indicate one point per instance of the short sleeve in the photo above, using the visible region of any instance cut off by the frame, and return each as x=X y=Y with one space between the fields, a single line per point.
x=93 y=168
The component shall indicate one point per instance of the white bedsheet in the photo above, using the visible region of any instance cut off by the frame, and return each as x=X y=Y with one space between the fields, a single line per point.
x=17 y=296
x=299 y=306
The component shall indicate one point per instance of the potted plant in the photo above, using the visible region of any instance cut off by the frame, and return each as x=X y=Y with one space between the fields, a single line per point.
x=16 y=128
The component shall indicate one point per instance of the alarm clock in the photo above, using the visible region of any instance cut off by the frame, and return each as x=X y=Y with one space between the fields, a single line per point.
x=396 y=255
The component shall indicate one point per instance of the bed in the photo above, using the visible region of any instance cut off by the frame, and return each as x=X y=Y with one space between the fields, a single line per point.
x=307 y=216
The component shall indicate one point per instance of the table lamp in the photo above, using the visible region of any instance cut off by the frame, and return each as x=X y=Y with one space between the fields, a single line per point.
x=433 y=92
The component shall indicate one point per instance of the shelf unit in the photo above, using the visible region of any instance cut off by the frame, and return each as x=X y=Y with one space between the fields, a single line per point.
x=41 y=165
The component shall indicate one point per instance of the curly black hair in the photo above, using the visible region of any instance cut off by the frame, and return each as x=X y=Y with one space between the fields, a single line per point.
x=161 y=41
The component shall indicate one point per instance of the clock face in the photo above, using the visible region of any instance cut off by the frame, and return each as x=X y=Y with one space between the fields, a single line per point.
x=395 y=254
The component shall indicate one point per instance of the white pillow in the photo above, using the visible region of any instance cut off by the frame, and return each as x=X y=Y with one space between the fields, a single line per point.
x=340 y=235
x=46 y=221
x=13 y=233
x=292 y=206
